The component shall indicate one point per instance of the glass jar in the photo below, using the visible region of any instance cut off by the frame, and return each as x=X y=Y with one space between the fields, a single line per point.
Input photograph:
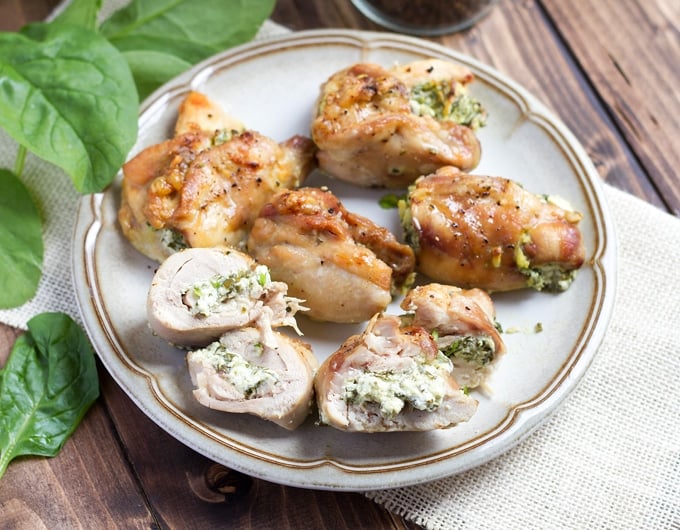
x=424 y=17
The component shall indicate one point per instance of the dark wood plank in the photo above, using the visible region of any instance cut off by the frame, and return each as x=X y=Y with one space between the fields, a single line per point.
x=189 y=490
x=631 y=53
x=88 y=485
x=120 y=469
x=16 y=13
x=517 y=39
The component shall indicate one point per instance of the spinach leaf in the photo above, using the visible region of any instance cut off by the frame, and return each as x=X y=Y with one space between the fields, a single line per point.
x=151 y=69
x=67 y=95
x=46 y=387
x=81 y=13
x=215 y=23
x=21 y=245
x=191 y=30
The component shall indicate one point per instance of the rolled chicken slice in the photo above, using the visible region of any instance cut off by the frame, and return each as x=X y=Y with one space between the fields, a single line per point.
x=390 y=378
x=463 y=324
x=198 y=294
x=244 y=373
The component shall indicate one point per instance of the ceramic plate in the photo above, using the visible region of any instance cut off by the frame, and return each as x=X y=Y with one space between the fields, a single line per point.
x=271 y=86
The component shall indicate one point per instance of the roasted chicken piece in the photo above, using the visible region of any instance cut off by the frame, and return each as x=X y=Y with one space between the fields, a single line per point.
x=341 y=264
x=491 y=233
x=463 y=325
x=197 y=112
x=198 y=294
x=390 y=378
x=204 y=188
x=384 y=127
x=171 y=158
x=243 y=373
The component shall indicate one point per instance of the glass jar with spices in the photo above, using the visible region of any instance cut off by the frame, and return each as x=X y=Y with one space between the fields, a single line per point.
x=424 y=17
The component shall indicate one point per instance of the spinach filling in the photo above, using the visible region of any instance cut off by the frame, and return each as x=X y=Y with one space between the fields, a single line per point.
x=479 y=349
x=441 y=103
x=246 y=377
x=421 y=386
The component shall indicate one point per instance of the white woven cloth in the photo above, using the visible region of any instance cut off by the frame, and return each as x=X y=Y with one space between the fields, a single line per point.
x=609 y=458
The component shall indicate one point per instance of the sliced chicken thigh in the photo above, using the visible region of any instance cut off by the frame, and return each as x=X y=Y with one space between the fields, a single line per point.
x=463 y=325
x=244 y=373
x=390 y=378
x=198 y=294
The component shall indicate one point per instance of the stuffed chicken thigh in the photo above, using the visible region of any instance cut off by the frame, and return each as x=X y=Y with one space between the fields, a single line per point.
x=204 y=188
x=463 y=325
x=390 y=378
x=491 y=233
x=198 y=294
x=341 y=264
x=378 y=126
x=244 y=373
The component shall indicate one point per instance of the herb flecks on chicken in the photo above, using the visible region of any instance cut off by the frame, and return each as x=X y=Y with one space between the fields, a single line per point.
x=342 y=264
x=205 y=186
x=463 y=325
x=489 y=232
x=385 y=127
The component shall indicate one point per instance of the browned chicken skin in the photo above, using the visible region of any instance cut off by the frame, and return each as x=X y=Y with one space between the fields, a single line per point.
x=204 y=188
x=489 y=232
x=341 y=264
x=386 y=127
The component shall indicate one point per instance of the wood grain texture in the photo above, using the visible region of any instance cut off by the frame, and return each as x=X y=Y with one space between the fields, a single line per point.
x=518 y=39
x=631 y=51
x=189 y=490
x=608 y=69
x=88 y=485
x=16 y=13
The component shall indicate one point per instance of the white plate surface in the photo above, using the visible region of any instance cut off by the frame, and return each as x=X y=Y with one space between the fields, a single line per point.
x=272 y=86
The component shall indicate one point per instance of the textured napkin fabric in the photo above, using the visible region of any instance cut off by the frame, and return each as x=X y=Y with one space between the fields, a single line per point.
x=58 y=201
x=608 y=458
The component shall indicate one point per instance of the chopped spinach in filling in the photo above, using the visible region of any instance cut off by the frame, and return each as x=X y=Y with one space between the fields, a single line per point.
x=407 y=224
x=440 y=102
x=422 y=386
x=246 y=377
x=205 y=296
x=552 y=278
x=548 y=277
x=478 y=349
x=173 y=239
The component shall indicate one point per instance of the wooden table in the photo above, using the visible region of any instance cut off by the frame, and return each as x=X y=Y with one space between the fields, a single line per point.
x=609 y=68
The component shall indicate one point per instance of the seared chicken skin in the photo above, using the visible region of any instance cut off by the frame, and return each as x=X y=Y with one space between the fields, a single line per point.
x=341 y=264
x=172 y=158
x=197 y=112
x=204 y=188
x=241 y=373
x=198 y=294
x=463 y=325
x=489 y=232
x=383 y=127
x=390 y=378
